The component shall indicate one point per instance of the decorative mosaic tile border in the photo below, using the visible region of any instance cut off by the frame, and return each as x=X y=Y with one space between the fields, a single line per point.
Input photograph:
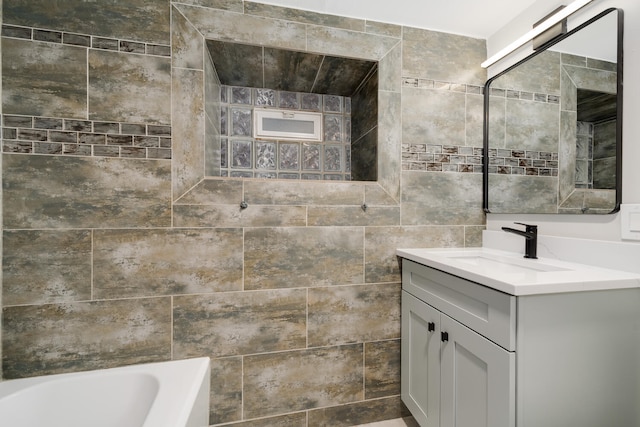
x=452 y=158
x=521 y=162
x=525 y=96
x=72 y=137
x=441 y=158
x=479 y=90
x=52 y=36
x=440 y=85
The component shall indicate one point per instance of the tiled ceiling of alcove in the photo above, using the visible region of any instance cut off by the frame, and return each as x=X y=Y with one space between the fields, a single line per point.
x=287 y=70
x=596 y=106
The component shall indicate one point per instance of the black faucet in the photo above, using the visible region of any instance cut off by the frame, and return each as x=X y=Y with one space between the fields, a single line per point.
x=531 y=236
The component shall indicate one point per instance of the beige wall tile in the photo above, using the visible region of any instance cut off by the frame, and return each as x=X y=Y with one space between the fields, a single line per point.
x=138 y=20
x=382 y=369
x=518 y=193
x=353 y=44
x=229 y=324
x=569 y=92
x=41 y=267
x=188 y=120
x=375 y=195
x=297 y=380
x=44 y=79
x=383 y=29
x=474 y=122
x=390 y=70
x=213 y=116
x=221 y=25
x=390 y=137
x=212 y=191
x=431 y=116
x=440 y=56
x=298 y=419
x=130 y=263
x=442 y=198
x=187 y=44
x=302 y=257
x=533 y=75
x=303 y=16
x=566 y=178
x=532 y=125
x=600 y=199
x=353 y=215
x=365 y=412
x=303 y=193
x=85 y=192
x=129 y=88
x=350 y=314
x=85 y=335
x=234 y=216
x=230 y=5
x=226 y=390
x=381 y=261
x=473 y=236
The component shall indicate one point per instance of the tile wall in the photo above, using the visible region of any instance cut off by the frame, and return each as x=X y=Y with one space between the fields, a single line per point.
x=111 y=261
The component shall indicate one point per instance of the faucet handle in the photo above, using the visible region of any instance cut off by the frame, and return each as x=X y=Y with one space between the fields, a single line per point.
x=530 y=227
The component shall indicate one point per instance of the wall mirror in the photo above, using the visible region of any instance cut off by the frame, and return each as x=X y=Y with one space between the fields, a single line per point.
x=553 y=125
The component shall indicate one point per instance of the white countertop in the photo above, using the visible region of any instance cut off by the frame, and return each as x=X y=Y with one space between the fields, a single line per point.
x=515 y=275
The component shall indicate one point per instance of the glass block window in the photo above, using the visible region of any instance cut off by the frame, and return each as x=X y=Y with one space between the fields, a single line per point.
x=245 y=156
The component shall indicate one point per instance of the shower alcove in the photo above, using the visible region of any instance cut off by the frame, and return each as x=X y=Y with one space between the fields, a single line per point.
x=350 y=76
x=242 y=80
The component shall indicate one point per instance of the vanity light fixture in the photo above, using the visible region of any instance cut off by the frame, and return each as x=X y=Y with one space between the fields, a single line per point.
x=541 y=28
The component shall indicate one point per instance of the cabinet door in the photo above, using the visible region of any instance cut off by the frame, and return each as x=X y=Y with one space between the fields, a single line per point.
x=420 y=360
x=478 y=380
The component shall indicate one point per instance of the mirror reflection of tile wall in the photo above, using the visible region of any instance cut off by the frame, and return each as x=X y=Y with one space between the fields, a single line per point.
x=604 y=155
x=584 y=155
x=596 y=155
x=543 y=156
x=247 y=157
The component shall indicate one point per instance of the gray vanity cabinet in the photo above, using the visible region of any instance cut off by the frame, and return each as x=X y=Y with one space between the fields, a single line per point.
x=420 y=373
x=477 y=380
x=473 y=356
x=451 y=375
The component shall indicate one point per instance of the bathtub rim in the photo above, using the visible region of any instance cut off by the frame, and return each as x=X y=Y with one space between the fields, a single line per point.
x=187 y=378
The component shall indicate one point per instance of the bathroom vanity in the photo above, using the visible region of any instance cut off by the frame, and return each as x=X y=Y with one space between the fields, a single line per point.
x=492 y=339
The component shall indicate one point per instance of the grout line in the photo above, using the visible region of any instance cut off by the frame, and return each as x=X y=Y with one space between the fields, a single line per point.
x=91 y=261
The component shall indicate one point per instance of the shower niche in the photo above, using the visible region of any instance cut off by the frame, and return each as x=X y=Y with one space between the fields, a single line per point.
x=596 y=139
x=283 y=114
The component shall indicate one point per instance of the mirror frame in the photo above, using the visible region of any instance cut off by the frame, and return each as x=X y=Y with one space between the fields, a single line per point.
x=619 y=85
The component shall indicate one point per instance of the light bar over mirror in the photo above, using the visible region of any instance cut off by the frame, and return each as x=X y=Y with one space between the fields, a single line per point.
x=552 y=20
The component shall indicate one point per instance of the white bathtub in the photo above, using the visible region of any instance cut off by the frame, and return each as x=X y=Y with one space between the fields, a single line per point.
x=166 y=394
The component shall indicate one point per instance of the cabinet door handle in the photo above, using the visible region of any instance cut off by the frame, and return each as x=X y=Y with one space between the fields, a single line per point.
x=431 y=326
x=444 y=336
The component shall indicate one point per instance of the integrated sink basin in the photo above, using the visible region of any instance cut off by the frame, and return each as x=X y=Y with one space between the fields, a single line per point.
x=493 y=262
x=513 y=274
